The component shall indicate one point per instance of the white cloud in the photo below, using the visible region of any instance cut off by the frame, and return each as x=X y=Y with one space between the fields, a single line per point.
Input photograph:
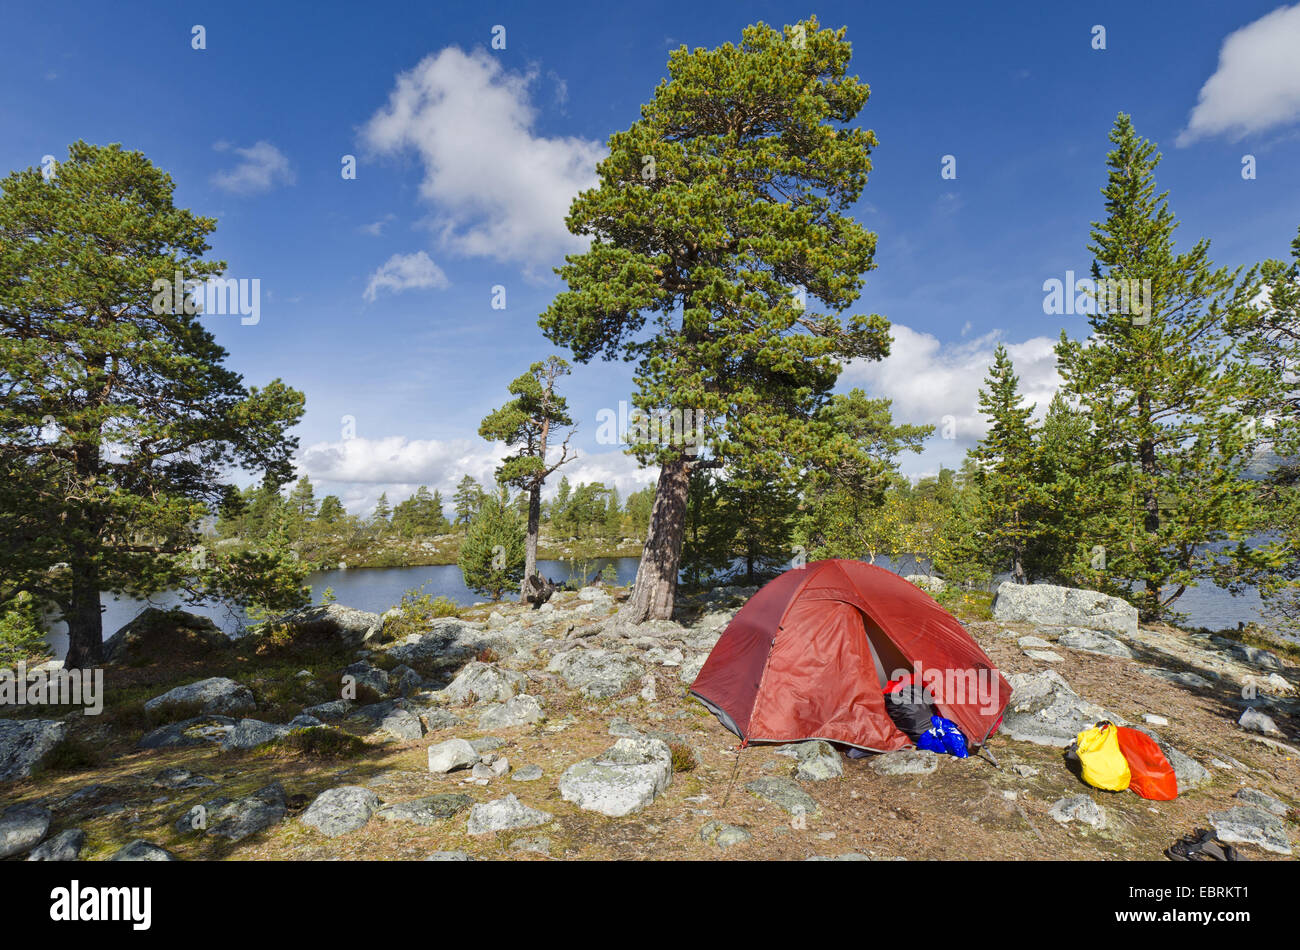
x=406 y=272
x=498 y=189
x=376 y=228
x=262 y=167
x=929 y=380
x=358 y=470
x=1257 y=83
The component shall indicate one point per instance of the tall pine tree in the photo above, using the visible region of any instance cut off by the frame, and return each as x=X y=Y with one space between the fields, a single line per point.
x=1163 y=385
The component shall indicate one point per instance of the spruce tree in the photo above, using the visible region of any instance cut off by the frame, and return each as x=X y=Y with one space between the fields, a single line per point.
x=1004 y=468
x=492 y=554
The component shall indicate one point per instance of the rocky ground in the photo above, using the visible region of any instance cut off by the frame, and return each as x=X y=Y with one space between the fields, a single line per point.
x=562 y=733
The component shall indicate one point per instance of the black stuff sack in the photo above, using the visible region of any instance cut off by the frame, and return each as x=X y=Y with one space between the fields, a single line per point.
x=909 y=709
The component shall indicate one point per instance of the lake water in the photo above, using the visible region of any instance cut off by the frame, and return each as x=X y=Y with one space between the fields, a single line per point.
x=379 y=588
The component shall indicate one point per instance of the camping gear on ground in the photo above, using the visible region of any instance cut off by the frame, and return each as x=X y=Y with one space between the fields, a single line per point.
x=806 y=658
x=908 y=706
x=1152 y=775
x=1102 y=765
x=943 y=737
x=1202 y=845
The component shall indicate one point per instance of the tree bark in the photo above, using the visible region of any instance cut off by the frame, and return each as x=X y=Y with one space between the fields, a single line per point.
x=85 y=621
x=655 y=591
x=530 y=543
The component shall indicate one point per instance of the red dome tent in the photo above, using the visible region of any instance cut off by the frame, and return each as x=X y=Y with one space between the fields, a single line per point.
x=808 y=656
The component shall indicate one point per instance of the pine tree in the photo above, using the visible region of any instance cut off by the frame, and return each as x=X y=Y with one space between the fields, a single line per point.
x=1004 y=468
x=530 y=424
x=843 y=498
x=331 y=510
x=118 y=416
x=1163 y=385
x=719 y=223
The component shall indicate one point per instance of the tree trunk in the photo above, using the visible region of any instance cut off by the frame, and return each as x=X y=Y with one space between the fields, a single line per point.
x=530 y=543
x=1150 y=505
x=85 y=622
x=655 y=590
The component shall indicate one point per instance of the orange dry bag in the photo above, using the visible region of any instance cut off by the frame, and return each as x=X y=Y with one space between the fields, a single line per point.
x=1152 y=775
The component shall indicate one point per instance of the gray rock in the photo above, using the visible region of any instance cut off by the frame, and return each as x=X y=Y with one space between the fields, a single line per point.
x=65 y=846
x=451 y=755
x=1189 y=773
x=449 y=856
x=529 y=773
x=783 y=793
x=177 y=778
x=723 y=835
x=334 y=709
x=626 y=777
x=1044 y=709
x=623 y=729
x=927 y=582
x=1045 y=656
x=520 y=710
x=1245 y=824
x=487 y=744
x=504 y=814
x=200 y=730
x=450 y=642
x=141 y=850
x=1080 y=808
x=251 y=733
x=484 y=682
x=436 y=719
x=1257 y=656
x=247 y=816
x=1258 y=799
x=491 y=767
x=409 y=682
x=428 y=810
x=904 y=762
x=215 y=695
x=1252 y=720
x=537 y=845
x=24 y=744
x=334 y=624
x=402 y=724
x=369 y=676
x=341 y=810
x=818 y=761
x=1183 y=678
x=1049 y=605
x=22 y=827
x=1032 y=642
x=691 y=667
x=1153 y=720
x=1091 y=641
x=597 y=673
x=155 y=630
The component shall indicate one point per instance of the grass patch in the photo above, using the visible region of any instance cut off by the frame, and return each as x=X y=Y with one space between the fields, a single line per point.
x=683 y=757
x=72 y=755
x=317 y=743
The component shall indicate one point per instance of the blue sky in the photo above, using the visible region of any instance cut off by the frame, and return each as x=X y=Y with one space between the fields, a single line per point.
x=377 y=292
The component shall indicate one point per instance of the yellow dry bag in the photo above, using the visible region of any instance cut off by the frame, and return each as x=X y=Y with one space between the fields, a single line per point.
x=1103 y=764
